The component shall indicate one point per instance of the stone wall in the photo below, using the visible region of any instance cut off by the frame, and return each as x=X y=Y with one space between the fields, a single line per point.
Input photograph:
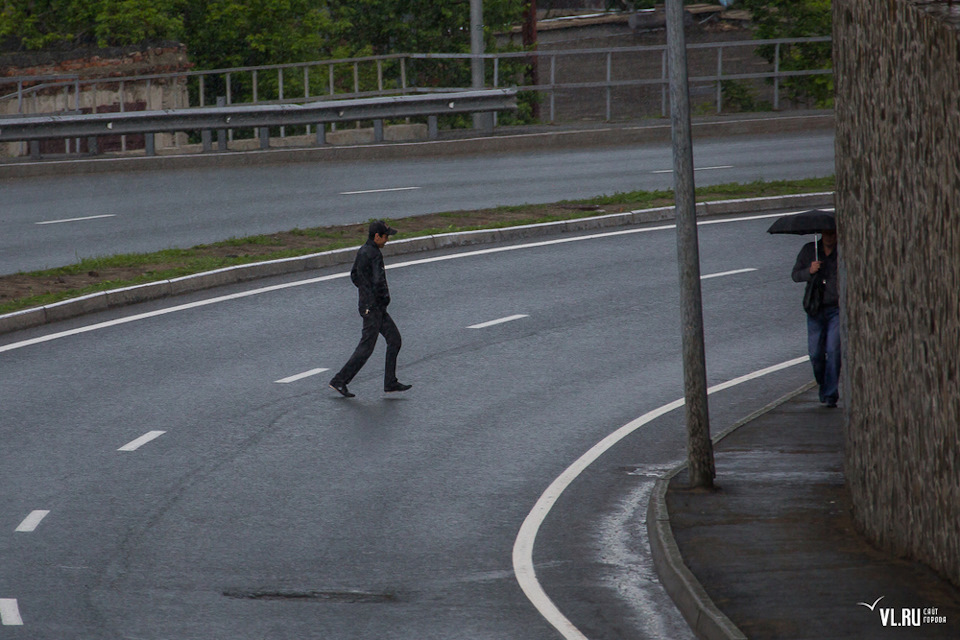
x=897 y=69
x=94 y=69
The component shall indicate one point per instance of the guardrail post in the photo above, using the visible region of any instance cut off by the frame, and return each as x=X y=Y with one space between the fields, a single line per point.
x=92 y=145
x=264 y=137
x=378 y=130
x=35 y=149
x=206 y=139
x=432 y=128
x=321 y=133
x=149 y=140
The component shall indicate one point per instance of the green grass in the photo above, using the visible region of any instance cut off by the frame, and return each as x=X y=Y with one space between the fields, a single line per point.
x=173 y=263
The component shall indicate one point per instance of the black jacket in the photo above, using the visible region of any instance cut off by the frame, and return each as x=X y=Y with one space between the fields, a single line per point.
x=370 y=277
x=828 y=271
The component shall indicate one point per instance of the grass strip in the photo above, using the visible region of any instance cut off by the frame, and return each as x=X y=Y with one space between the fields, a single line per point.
x=90 y=275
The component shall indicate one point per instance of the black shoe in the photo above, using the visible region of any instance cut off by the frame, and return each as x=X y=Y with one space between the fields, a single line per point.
x=396 y=386
x=341 y=388
x=831 y=404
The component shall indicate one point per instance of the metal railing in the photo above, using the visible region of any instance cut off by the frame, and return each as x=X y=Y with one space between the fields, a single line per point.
x=259 y=116
x=560 y=75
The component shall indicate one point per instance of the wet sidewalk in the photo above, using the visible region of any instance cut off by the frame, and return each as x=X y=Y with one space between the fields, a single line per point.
x=775 y=549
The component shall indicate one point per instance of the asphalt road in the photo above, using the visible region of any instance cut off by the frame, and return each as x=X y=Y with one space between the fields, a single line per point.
x=53 y=221
x=175 y=474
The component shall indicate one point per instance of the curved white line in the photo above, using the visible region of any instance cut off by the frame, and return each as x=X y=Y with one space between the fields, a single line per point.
x=523 y=566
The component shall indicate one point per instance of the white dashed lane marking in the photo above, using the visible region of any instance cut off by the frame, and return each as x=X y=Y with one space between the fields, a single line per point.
x=300 y=376
x=31 y=521
x=142 y=440
x=725 y=166
x=484 y=325
x=354 y=193
x=10 y=612
x=108 y=215
x=726 y=273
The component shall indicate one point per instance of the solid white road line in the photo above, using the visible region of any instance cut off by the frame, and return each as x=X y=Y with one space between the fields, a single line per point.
x=31 y=521
x=163 y=312
x=724 y=166
x=142 y=440
x=300 y=376
x=726 y=273
x=10 y=612
x=490 y=323
x=523 y=547
x=108 y=215
x=309 y=281
x=353 y=193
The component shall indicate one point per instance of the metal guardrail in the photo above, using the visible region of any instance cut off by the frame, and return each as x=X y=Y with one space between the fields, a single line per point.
x=612 y=78
x=334 y=83
x=261 y=117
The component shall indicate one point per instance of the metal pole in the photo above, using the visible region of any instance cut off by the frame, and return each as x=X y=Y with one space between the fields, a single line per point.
x=306 y=88
x=699 y=446
x=283 y=131
x=553 y=81
x=665 y=85
x=719 y=81
x=476 y=62
x=776 y=77
x=609 y=76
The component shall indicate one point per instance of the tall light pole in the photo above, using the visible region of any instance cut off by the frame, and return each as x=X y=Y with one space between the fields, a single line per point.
x=699 y=446
x=476 y=62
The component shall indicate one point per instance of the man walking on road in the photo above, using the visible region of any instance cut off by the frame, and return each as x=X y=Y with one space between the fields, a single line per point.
x=819 y=260
x=370 y=278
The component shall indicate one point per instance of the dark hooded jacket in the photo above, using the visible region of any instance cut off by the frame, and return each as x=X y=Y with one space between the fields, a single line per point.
x=370 y=277
x=828 y=271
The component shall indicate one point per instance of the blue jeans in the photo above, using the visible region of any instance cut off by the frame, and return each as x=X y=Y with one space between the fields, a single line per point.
x=823 y=343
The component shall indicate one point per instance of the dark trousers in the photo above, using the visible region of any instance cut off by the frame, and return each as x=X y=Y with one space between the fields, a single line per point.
x=823 y=337
x=375 y=321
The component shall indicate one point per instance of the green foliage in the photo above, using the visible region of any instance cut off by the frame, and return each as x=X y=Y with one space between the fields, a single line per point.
x=229 y=33
x=797 y=19
x=741 y=97
x=392 y=26
x=245 y=33
x=233 y=33
x=38 y=24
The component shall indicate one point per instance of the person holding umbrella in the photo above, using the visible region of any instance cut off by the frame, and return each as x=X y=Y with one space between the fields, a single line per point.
x=817 y=265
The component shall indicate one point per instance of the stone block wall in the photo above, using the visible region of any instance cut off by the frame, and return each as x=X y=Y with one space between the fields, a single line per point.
x=96 y=70
x=897 y=69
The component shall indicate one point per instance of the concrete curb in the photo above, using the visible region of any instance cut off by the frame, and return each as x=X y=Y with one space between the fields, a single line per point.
x=696 y=606
x=231 y=275
x=523 y=138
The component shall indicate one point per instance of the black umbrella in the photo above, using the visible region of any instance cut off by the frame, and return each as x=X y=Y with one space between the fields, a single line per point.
x=812 y=221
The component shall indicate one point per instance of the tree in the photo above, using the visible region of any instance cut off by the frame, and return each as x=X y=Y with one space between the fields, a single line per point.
x=39 y=24
x=232 y=33
x=797 y=19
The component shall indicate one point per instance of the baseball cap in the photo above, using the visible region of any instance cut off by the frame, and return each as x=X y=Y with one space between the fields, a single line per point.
x=379 y=226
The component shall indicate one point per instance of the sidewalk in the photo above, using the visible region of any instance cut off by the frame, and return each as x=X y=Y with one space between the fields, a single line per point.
x=775 y=548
